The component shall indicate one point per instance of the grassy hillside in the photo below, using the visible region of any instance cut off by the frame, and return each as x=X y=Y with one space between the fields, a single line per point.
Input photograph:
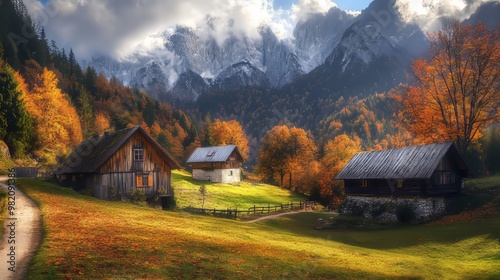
x=5 y=164
x=222 y=196
x=86 y=238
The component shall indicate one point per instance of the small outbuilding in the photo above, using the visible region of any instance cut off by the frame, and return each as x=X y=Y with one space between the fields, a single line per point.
x=379 y=184
x=115 y=164
x=220 y=164
x=428 y=170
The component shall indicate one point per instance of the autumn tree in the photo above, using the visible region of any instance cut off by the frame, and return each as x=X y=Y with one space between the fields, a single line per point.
x=229 y=133
x=101 y=123
x=284 y=151
x=302 y=151
x=57 y=125
x=457 y=89
x=15 y=122
x=337 y=153
x=272 y=155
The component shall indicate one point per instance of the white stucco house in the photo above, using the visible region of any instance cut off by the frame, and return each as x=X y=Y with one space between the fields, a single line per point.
x=221 y=164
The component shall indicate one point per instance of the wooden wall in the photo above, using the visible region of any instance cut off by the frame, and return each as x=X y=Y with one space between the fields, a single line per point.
x=414 y=187
x=121 y=183
x=119 y=172
x=215 y=165
x=123 y=159
x=410 y=187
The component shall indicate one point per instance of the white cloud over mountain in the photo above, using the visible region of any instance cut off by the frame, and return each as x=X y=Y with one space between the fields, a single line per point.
x=116 y=27
x=304 y=8
x=429 y=13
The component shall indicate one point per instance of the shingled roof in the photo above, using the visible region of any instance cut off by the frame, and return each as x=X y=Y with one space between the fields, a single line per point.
x=213 y=154
x=91 y=154
x=415 y=162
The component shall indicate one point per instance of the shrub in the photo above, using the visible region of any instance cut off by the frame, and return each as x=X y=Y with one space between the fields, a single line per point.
x=378 y=209
x=405 y=213
x=136 y=196
x=357 y=210
x=3 y=201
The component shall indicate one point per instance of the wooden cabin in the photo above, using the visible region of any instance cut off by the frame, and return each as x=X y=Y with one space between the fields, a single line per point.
x=429 y=170
x=117 y=163
x=220 y=164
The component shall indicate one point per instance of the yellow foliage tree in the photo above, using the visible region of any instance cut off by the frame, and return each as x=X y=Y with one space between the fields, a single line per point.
x=57 y=125
x=101 y=123
x=229 y=133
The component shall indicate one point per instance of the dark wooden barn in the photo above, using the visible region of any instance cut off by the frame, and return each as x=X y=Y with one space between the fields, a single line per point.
x=117 y=163
x=429 y=170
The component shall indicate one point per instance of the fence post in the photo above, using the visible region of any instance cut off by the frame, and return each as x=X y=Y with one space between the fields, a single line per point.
x=254 y=209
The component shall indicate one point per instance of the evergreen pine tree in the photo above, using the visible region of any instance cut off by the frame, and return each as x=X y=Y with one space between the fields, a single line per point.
x=15 y=122
x=86 y=113
x=207 y=139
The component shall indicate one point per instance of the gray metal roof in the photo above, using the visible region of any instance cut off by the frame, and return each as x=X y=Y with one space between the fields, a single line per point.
x=91 y=154
x=213 y=154
x=415 y=162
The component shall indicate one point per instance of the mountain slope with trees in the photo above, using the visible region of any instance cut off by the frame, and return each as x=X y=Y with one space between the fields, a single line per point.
x=49 y=103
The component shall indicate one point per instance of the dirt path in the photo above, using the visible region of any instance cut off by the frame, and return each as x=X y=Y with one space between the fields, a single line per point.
x=27 y=235
x=274 y=216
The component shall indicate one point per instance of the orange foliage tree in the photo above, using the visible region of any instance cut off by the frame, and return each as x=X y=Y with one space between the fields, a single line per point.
x=57 y=125
x=285 y=150
x=337 y=153
x=229 y=133
x=457 y=91
x=101 y=123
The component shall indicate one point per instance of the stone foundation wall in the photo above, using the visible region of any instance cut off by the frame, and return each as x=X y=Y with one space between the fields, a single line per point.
x=386 y=208
x=218 y=175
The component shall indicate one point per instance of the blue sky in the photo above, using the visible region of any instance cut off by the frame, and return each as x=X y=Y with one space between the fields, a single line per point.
x=354 y=5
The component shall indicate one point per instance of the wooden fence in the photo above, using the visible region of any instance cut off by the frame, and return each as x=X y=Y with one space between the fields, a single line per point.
x=235 y=213
x=26 y=172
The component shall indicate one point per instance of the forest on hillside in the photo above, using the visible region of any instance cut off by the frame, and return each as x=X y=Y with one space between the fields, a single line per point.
x=298 y=137
x=49 y=103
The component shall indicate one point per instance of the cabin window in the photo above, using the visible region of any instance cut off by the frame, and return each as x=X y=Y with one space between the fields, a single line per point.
x=138 y=154
x=211 y=153
x=230 y=173
x=73 y=178
x=399 y=183
x=364 y=183
x=138 y=158
x=143 y=180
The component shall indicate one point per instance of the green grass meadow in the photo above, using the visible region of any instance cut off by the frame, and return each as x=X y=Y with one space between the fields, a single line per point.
x=87 y=238
x=241 y=195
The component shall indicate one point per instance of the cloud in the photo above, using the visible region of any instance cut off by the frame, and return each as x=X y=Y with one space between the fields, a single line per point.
x=428 y=14
x=304 y=8
x=115 y=27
